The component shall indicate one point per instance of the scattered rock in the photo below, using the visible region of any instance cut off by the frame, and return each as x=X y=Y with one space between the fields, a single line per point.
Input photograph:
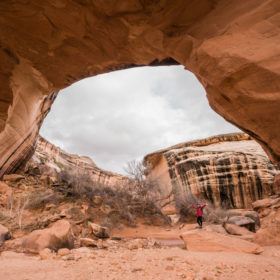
x=99 y=231
x=101 y=244
x=88 y=242
x=136 y=244
x=59 y=235
x=236 y=230
x=174 y=219
x=245 y=213
x=46 y=254
x=68 y=258
x=242 y=222
x=265 y=203
x=63 y=252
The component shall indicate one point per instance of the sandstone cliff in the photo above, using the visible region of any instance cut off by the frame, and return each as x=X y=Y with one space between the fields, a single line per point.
x=51 y=160
x=232 y=47
x=229 y=170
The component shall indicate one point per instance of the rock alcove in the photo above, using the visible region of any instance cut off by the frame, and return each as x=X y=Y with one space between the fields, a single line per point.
x=232 y=47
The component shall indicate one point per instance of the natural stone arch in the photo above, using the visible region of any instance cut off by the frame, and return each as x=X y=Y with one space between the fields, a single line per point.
x=232 y=46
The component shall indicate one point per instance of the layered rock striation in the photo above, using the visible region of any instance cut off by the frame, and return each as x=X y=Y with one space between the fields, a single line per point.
x=233 y=48
x=49 y=159
x=229 y=170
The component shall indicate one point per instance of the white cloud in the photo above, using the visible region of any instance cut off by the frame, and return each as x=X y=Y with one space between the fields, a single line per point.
x=123 y=115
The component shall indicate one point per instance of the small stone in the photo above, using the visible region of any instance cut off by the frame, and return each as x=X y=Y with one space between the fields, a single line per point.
x=88 y=242
x=63 y=252
x=169 y=267
x=46 y=254
x=68 y=257
x=136 y=269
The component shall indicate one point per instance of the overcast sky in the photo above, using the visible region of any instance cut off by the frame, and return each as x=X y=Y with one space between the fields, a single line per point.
x=121 y=116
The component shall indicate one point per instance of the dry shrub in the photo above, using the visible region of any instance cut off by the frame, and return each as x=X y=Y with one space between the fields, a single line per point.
x=36 y=200
x=74 y=183
x=135 y=198
x=184 y=203
x=215 y=215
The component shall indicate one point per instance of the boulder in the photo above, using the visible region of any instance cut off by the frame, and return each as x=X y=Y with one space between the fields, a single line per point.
x=88 y=242
x=269 y=233
x=137 y=244
x=169 y=210
x=174 y=219
x=236 y=230
x=99 y=231
x=242 y=222
x=265 y=203
x=59 y=235
x=4 y=234
x=46 y=254
x=245 y=213
x=202 y=241
x=13 y=177
x=63 y=252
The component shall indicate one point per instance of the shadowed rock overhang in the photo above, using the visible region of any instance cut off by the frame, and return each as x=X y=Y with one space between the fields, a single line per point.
x=233 y=48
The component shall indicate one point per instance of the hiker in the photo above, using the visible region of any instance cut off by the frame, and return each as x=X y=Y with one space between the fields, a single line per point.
x=199 y=213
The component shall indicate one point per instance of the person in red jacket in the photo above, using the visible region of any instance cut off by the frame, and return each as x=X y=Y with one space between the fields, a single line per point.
x=199 y=213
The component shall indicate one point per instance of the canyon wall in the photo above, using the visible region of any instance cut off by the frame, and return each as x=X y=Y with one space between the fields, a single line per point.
x=229 y=170
x=233 y=48
x=50 y=160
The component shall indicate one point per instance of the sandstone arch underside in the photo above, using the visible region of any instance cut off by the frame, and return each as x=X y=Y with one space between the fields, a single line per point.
x=232 y=46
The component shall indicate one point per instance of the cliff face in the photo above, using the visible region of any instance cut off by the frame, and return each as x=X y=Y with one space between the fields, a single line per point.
x=51 y=160
x=232 y=47
x=228 y=170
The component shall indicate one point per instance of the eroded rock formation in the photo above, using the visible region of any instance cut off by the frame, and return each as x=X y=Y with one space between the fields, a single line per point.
x=49 y=159
x=232 y=47
x=229 y=170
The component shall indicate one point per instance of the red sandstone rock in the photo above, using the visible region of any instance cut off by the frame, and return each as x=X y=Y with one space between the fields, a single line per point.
x=231 y=46
x=50 y=160
x=59 y=235
x=269 y=233
x=229 y=170
x=236 y=230
x=203 y=241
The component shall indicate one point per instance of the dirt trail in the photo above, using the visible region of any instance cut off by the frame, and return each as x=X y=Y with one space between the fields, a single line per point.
x=161 y=263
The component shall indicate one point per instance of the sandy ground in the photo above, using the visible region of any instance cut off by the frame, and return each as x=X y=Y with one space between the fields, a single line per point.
x=168 y=262
x=156 y=263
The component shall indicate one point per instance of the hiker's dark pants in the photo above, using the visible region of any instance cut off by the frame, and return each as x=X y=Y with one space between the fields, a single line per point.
x=199 y=221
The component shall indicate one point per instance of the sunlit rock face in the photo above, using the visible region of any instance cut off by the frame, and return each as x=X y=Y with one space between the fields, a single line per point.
x=51 y=160
x=232 y=47
x=229 y=170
